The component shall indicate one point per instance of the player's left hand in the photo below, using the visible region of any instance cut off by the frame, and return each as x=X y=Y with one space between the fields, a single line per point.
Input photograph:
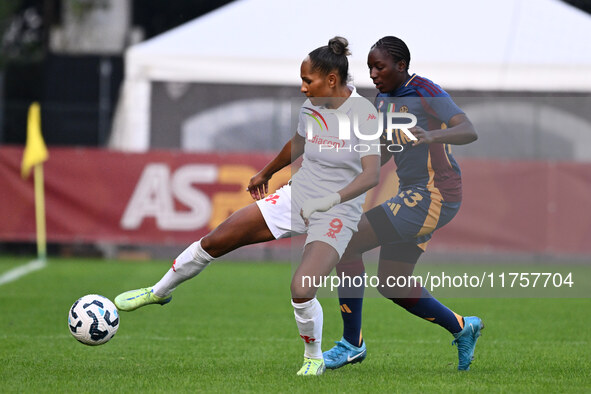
x=423 y=136
x=321 y=204
x=258 y=187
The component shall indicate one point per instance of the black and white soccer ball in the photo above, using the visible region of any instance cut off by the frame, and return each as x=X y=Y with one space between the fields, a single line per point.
x=93 y=320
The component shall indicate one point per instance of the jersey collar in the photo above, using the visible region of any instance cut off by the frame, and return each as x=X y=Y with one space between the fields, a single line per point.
x=394 y=93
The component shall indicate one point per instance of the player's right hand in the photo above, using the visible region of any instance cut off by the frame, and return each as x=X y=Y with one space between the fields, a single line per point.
x=258 y=187
x=322 y=204
x=423 y=136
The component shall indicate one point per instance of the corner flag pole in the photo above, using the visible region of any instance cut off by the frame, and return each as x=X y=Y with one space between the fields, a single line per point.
x=40 y=212
x=34 y=156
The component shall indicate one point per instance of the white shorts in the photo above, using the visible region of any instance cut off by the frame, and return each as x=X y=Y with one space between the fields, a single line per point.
x=284 y=220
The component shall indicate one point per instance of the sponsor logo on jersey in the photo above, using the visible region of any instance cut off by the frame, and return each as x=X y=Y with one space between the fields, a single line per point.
x=328 y=141
x=347 y=123
x=317 y=116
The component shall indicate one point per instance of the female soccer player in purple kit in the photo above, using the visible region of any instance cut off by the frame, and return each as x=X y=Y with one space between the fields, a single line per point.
x=429 y=196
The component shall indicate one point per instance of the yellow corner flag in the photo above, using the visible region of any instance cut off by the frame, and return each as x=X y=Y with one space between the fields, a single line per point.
x=35 y=150
x=35 y=154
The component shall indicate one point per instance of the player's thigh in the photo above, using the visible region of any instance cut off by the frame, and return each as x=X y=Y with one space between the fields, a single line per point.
x=244 y=227
x=363 y=240
x=318 y=261
x=402 y=218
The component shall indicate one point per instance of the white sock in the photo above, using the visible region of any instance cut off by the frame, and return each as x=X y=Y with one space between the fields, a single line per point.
x=308 y=316
x=188 y=264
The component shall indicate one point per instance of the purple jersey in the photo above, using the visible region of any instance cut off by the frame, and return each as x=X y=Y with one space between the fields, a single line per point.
x=428 y=166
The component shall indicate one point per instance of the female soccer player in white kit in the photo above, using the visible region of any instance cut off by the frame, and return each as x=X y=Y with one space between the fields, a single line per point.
x=323 y=200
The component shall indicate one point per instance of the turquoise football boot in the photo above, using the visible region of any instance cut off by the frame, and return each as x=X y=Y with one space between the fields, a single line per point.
x=466 y=341
x=344 y=353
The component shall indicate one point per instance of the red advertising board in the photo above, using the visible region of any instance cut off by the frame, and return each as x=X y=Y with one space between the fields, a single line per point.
x=158 y=197
x=169 y=197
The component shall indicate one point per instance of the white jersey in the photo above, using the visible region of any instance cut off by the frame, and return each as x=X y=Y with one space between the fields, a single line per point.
x=330 y=162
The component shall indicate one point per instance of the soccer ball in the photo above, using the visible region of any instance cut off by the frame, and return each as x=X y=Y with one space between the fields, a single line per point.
x=93 y=320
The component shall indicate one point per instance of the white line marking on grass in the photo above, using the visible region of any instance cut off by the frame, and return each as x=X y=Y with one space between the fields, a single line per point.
x=22 y=270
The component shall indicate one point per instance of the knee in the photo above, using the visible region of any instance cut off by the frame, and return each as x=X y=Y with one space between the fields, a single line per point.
x=298 y=294
x=405 y=302
x=208 y=244
x=405 y=297
x=384 y=291
x=217 y=244
x=400 y=298
x=300 y=300
x=301 y=290
x=392 y=293
x=388 y=289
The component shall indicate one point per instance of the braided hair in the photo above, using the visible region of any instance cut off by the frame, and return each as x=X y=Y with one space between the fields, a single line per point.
x=332 y=56
x=394 y=47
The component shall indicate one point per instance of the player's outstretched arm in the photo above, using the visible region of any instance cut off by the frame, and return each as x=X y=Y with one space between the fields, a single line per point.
x=259 y=183
x=460 y=131
x=368 y=178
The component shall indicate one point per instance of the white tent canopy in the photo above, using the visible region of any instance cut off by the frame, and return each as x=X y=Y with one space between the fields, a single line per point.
x=511 y=45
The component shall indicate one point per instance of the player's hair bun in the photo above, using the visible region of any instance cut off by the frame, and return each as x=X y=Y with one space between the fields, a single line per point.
x=339 y=46
x=332 y=57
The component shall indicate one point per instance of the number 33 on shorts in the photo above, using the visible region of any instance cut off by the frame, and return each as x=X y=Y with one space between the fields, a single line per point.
x=409 y=197
x=414 y=213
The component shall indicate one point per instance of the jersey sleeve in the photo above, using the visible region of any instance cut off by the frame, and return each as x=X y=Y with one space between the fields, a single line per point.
x=301 y=129
x=444 y=107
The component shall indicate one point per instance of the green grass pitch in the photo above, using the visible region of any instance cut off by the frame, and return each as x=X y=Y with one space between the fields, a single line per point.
x=232 y=329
